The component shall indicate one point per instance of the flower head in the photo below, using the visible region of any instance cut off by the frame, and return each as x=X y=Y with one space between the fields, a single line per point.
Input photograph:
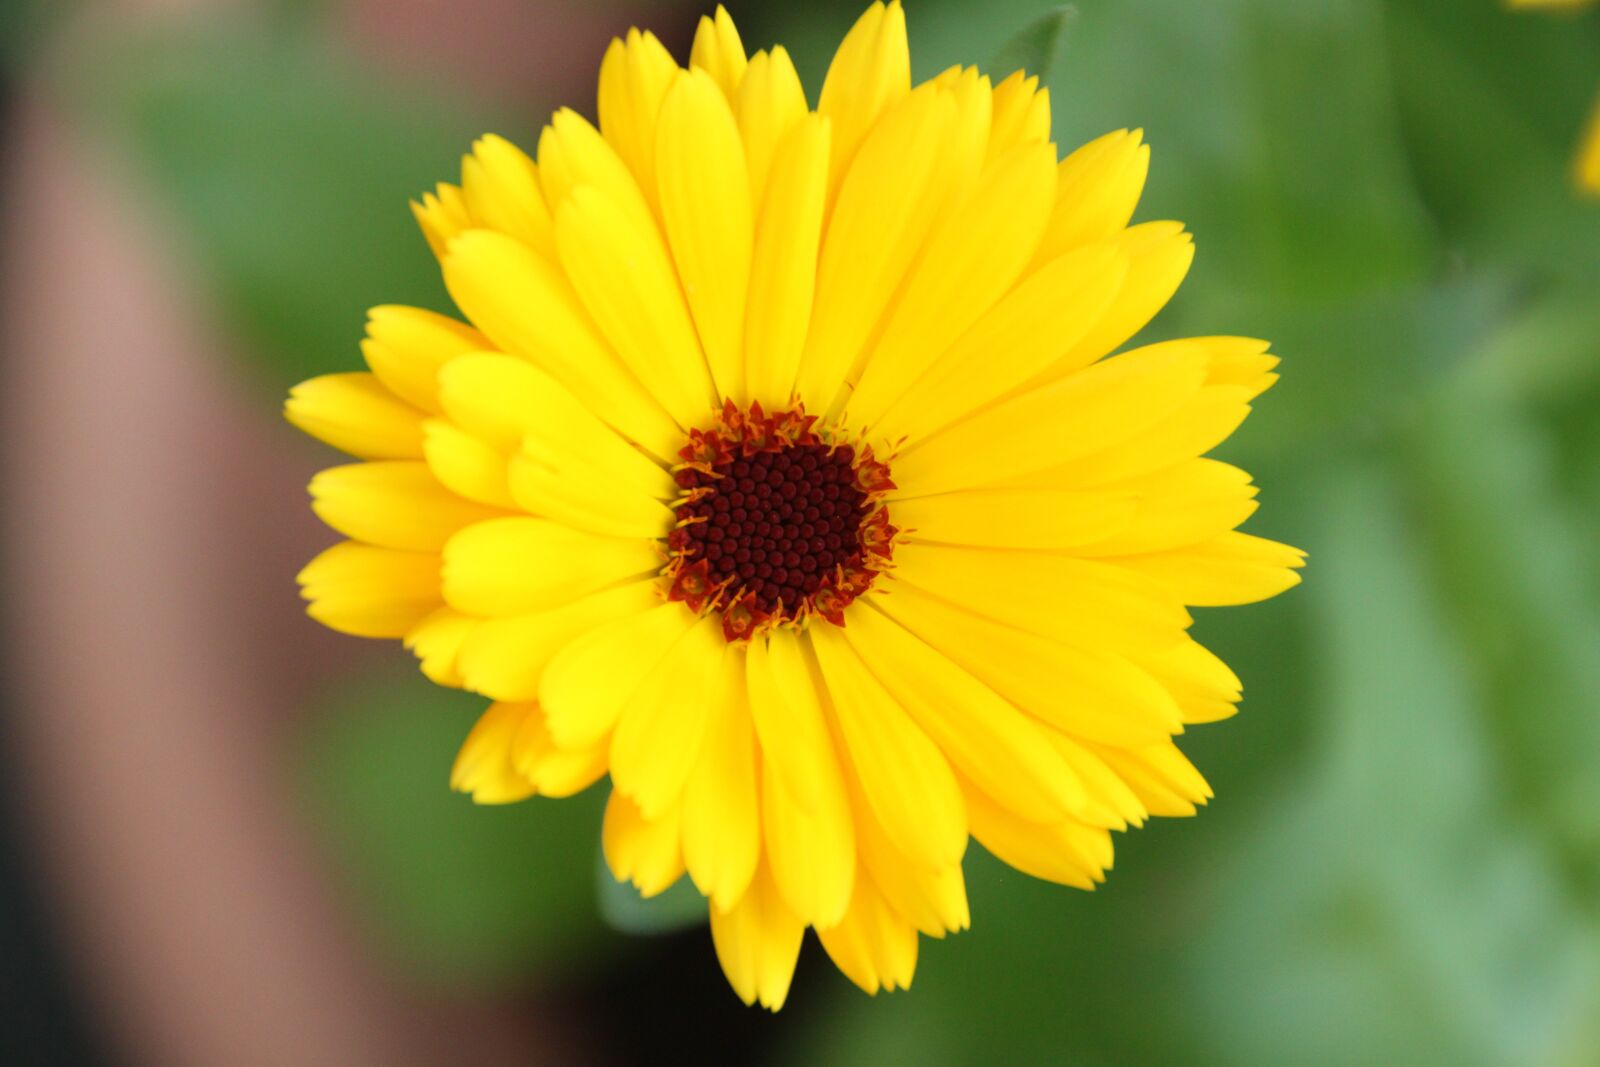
x=784 y=475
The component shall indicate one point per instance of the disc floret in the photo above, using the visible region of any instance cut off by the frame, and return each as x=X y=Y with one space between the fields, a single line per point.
x=778 y=520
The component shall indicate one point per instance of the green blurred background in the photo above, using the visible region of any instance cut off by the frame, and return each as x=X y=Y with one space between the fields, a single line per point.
x=1402 y=865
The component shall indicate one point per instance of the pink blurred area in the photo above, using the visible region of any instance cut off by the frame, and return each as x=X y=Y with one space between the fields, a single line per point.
x=152 y=520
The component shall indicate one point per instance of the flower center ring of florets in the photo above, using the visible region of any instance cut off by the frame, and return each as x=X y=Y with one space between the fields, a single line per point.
x=776 y=522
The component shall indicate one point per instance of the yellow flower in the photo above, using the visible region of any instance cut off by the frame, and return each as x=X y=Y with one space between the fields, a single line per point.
x=1587 y=168
x=783 y=478
x=1586 y=165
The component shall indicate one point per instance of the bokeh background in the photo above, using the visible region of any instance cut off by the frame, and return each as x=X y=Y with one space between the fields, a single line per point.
x=226 y=836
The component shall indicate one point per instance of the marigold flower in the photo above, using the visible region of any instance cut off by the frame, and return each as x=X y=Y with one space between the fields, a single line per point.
x=783 y=476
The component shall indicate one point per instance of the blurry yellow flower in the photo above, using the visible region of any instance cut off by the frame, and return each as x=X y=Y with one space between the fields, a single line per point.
x=1586 y=167
x=781 y=476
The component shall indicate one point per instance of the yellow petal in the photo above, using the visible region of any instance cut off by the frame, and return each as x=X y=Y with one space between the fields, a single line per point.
x=1159 y=256
x=659 y=733
x=515 y=565
x=628 y=285
x=587 y=684
x=441 y=215
x=483 y=767
x=1098 y=187
x=505 y=658
x=567 y=486
x=1160 y=776
x=1120 y=808
x=706 y=208
x=789 y=720
x=1241 y=361
x=971 y=260
x=1044 y=427
x=872 y=945
x=553 y=770
x=880 y=220
x=573 y=154
x=1028 y=331
x=1205 y=689
x=525 y=304
x=812 y=854
x=905 y=777
x=465 y=464
x=758 y=943
x=985 y=738
x=1088 y=692
x=718 y=51
x=770 y=104
x=1021 y=114
x=370 y=592
x=721 y=817
x=1236 y=568
x=806 y=813
x=501 y=187
x=436 y=640
x=1066 y=852
x=638 y=850
x=509 y=402
x=393 y=503
x=570 y=466
x=932 y=900
x=1086 y=603
x=634 y=78
x=1237 y=370
x=784 y=264
x=1185 y=504
x=967 y=152
x=870 y=72
x=406 y=346
x=356 y=414
x=1015 y=518
x=1201 y=423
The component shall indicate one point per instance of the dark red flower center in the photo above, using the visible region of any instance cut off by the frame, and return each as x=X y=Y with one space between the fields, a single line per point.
x=775 y=522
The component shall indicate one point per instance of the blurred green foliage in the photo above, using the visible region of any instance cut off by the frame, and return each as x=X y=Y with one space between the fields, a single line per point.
x=1038 y=48
x=463 y=893
x=26 y=24
x=1403 y=861
x=288 y=173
